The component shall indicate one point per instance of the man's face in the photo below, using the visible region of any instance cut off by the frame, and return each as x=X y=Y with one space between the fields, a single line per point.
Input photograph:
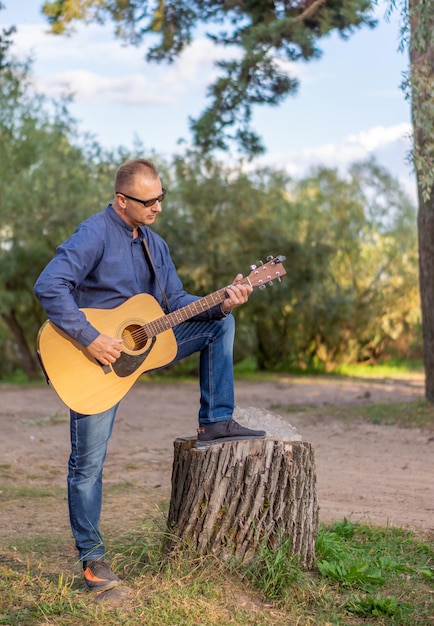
x=134 y=212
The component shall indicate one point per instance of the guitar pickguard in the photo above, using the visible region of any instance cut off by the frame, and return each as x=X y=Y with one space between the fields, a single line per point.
x=127 y=364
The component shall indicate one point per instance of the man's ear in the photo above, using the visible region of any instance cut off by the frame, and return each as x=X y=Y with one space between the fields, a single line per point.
x=120 y=201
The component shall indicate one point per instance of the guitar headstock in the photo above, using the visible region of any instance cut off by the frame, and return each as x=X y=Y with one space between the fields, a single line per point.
x=264 y=274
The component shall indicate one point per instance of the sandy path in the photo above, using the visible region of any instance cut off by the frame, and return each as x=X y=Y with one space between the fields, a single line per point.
x=381 y=474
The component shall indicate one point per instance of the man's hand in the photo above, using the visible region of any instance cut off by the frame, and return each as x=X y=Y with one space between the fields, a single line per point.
x=236 y=293
x=105 y=349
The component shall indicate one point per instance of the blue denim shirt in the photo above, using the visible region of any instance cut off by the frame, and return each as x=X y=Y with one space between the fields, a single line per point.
x=101 y=266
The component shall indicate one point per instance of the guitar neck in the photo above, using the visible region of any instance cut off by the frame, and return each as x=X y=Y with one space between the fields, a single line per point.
x=186 y=312
x=258 y=277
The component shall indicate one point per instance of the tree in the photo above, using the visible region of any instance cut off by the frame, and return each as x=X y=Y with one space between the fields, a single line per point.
x=48 y=186
x=352 y=289
x=350 y=243
x=419 y=35
x=269 y=33
x=266 y=36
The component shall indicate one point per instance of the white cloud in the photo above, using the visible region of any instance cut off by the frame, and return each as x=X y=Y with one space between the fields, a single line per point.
x=88 y=87
x=379 y=136
x=388 y=144
x=94 y=65
x=354 y=147
x=86 y=44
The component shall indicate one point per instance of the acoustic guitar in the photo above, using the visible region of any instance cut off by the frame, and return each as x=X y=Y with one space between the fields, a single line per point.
x=87 y=386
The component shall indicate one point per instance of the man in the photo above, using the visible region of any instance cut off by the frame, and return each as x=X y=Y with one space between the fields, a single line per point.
x=100 y=266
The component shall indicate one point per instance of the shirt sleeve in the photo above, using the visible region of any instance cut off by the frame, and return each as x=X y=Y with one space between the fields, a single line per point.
x=57 y=283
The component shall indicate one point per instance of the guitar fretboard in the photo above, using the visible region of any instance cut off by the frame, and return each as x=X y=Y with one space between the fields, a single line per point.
x=185 y=313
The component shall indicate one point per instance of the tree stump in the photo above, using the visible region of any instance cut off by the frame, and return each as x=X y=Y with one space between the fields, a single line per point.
x=231 y=498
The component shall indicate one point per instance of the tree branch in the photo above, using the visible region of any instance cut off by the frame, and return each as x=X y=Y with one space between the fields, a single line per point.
x=309 y=11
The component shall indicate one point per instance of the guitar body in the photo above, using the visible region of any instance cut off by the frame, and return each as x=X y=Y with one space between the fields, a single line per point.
x=85 y=385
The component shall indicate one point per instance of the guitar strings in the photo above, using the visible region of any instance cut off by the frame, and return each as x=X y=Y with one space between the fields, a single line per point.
x=140 y=334
x=164 y=323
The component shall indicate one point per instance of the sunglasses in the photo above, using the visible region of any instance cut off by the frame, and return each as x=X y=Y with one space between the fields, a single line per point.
x=146 y=203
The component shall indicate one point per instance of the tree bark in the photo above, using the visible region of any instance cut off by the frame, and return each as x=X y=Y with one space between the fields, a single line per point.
x=232 y=498
x=421 y=16
x=25 y=357
x=426 y=285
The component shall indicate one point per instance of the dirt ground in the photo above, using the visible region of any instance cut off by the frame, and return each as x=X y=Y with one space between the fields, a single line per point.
x=370 y=473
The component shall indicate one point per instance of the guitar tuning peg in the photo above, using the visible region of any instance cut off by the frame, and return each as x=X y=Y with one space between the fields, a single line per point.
x=261 y=287
x=270 y=257
x=270 y=283
x=253 y=267
x=261 y=262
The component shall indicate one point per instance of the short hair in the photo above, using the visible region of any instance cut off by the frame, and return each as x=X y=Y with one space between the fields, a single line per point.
x=128 y=171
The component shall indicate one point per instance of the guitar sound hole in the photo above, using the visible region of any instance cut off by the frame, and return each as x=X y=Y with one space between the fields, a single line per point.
x=134 y=337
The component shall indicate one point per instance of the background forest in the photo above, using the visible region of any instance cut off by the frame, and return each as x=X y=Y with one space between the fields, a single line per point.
x=351 y=290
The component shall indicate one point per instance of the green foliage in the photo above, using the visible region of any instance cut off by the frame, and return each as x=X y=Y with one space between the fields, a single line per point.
x=264 y=36
x=182 y=587
x=377 y=606
x=48 y=186
x=386 y=369
x=274 y=571
x=351 y=289
x=363 y=555
x=365 y=228
x=351 y=574
x=417 y=27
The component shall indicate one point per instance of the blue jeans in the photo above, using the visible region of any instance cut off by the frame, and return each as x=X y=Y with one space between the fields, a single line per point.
x=90 y=433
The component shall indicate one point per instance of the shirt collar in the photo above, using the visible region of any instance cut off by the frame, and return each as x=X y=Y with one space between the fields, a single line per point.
x=118 y=220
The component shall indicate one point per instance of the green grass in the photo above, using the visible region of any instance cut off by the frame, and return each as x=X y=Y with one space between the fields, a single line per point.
x=247 y=370
x=187 y=370
x=388 y=369
x=26 y=494
x=414 y=414
x=49 y=420
x=363 y=575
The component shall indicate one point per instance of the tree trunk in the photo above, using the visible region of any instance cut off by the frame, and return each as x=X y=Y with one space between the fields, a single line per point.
x=232 y=498
x=426 y=283
x=25 y=357
x=422 y=90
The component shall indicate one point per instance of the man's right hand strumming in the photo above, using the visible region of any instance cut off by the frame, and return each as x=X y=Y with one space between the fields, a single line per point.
x=105 y=349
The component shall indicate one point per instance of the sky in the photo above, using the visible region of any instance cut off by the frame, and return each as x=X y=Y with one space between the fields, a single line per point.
x=349 y=105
